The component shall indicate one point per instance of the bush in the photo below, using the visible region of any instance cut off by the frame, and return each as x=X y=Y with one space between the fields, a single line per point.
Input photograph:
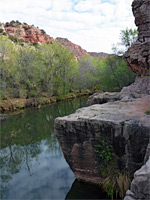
x=27 y=28
x=35 y=44
x=12 y=38
x=1 y=30
x=12 y=22
x=42 y=31
x=17 y=22
x=23 y=93
x=7 y=24
x=4 y=33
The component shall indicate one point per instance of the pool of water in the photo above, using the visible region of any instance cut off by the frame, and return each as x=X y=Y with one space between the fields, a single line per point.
x=32 y=164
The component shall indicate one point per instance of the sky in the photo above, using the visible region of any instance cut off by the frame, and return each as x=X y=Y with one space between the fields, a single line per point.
x=95 y=25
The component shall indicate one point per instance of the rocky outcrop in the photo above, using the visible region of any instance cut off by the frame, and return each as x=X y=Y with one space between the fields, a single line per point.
x=100 y=98
x=138 y=89
x=26 y=32
x=74 y=48
x=123 y=126
x=140 y=186
x=141 y=87
x=138 y=55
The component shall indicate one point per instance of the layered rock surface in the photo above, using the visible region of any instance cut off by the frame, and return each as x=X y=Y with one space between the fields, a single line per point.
x=125 y=127
x=28 y=33
x=138 y=55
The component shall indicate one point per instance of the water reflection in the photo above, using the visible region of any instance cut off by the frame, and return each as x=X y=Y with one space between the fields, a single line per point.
x=32 y=163
x=80 y=190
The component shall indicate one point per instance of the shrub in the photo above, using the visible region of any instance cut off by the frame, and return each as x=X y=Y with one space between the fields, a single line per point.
x=1 y=30
x=7 y=24
x=12 y=38
x=42 y=31
x=17 y=22
x=35 y=44
x=12 y=22
x=27 y=28
x=4 y=33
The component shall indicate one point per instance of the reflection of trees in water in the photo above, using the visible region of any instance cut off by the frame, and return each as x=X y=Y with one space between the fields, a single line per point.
x=23 y=136
x=15 y=157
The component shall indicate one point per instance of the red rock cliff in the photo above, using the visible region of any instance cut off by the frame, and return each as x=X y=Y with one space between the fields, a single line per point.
x=75 y=49
x=138 y=55
x=26 y=32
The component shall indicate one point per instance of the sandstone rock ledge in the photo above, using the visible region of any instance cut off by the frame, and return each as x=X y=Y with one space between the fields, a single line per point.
x=124 y=124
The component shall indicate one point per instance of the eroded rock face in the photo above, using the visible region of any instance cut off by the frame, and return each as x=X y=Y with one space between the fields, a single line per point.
x=124 y=128
x=140 y=186
x=74 y=48
x=138 y=55
x=28 y=33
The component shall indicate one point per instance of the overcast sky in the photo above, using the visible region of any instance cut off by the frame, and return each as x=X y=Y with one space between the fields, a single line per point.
x=93 y=24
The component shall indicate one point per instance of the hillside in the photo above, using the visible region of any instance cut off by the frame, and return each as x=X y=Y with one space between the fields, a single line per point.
x=29 y=33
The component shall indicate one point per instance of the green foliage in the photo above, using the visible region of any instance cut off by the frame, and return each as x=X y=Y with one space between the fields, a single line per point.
x=1 y=30
x=114 y=74
x=53 y=69
x=14 y=39
x=7 y=24
x=4 y=33
x=115 y=181
x=127 y=37
x=29 y=70
x=42 y=31
x=147 y=112
x=26 y=28
x=104 y=151
x=87 y=77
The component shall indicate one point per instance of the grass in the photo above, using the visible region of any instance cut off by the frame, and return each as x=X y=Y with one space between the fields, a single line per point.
x=116 y=184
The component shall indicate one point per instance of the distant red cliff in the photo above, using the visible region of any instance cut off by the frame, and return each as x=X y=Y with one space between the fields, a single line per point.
x=32 y=34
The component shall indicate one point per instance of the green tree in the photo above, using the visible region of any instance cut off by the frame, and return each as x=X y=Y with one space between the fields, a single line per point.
x=59 y=68
x=7 y=59
x=114 y=74
x=27 y=68
x=87 y=76
x=127 y=37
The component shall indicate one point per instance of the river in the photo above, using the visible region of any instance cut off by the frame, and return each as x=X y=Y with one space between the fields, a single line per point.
x=32 y=163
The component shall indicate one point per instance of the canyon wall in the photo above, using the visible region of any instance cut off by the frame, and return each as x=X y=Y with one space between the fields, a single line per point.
x=138 y=55
x=28 y=33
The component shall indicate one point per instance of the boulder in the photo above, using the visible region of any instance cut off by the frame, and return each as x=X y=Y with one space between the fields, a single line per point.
x=100 y=98
x=123 y=126
x=140 y=186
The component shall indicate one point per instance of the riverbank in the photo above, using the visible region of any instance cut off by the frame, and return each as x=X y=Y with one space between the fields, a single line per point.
x=13 y=104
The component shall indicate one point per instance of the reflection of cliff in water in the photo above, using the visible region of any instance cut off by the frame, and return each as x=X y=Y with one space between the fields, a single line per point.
x=30 y=152
x=81 y=190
